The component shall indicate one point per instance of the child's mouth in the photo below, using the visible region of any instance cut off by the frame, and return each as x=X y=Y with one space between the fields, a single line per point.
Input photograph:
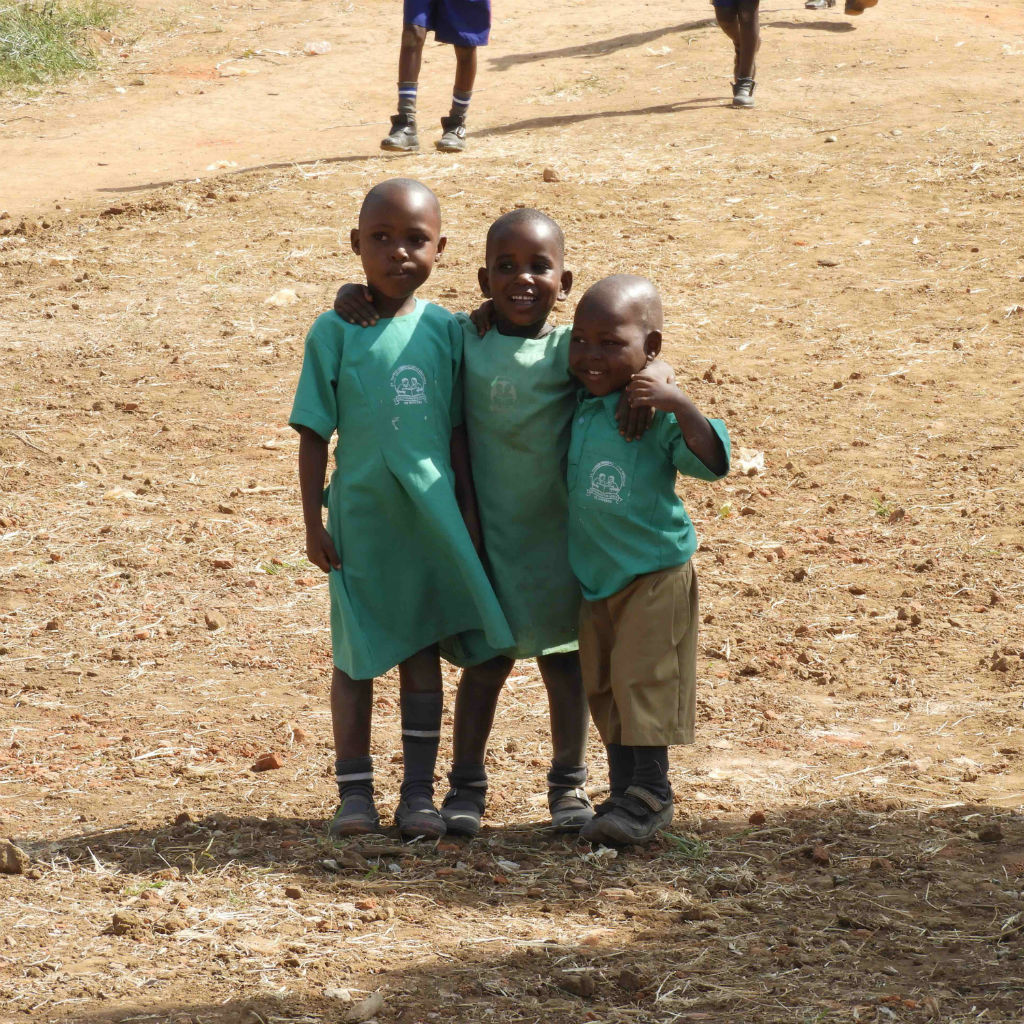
x=523 y=299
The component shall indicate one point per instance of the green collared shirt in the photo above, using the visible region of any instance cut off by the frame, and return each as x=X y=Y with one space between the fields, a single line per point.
x=625 y=518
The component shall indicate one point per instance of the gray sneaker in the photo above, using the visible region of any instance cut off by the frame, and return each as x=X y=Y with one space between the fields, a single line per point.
x=418 y=818
x=570 y=809
x=743 y=92
x=454 y=138
x=633 y=819
x=463 y=807
x=402 y=138
x=356 y=816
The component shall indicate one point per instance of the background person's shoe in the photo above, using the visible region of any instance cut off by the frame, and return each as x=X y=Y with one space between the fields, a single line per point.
x=454 y=138
x=356 y=816
x=402 y=138
x=570 y=809
x=819 y=5
x=743 y=92
x=634 y=819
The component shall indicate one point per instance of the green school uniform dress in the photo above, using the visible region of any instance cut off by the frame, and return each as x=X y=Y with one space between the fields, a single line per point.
x=519 y=402
x=410 y=576
x=625 y=518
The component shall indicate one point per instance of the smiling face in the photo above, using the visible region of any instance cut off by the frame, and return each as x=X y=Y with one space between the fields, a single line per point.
x=525 y=275
x=398 y=241
x=615 y=331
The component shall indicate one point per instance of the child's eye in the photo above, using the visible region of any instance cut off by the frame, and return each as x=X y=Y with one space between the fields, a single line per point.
x=505 y=267
x=541 y=267
x=379 y=236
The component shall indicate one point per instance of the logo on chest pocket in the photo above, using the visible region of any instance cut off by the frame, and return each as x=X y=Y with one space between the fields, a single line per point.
x=607 y=483
x=503 y=394
x=410 y=386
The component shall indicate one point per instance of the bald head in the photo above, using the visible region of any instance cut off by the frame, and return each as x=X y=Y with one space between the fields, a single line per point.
x=625 y=296
x=525 y=220
x=404 y=195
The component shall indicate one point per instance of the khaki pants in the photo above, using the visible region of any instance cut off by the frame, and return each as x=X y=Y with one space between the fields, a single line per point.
x=638 y=654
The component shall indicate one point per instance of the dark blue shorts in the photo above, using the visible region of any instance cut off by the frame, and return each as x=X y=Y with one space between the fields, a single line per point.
x=732 y=5
x=459 y=22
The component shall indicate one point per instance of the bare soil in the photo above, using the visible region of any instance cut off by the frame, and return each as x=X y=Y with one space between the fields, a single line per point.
x=842 y=269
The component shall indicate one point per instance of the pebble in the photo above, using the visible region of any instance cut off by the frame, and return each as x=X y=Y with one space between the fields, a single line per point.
x=831 y=138
x=550 y=174
x=820 y=855
x=124 y=922
x=757 y=818
x=214 y=620
x=266 y=763
x=578 y=984
x=223 y=563
x=293 y=892
x=54 y=624
x=991 y=834
x=13 y=859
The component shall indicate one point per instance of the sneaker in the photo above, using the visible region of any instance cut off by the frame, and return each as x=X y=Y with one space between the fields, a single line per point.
x=743 y=92
x=402 y=138
x=454 y=138
x=463 y=807
x=571 y=809
x=418 y=818
x=356 y=816
x=634 y=819
x=819 y=5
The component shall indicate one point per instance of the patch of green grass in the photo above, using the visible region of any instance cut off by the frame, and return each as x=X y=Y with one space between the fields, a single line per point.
x=685 y=847
x=43 y=42
x=882 y=510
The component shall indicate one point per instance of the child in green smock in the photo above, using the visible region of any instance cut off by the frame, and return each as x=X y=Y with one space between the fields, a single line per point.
x=403 y=571
x=519 y=402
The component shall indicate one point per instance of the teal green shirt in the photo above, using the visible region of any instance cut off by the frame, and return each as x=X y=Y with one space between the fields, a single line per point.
x=409 y=575
x=625 y=518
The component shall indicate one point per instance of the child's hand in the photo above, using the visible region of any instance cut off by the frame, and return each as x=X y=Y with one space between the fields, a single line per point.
x=354 y=304
x=644 y=392
x=482 y=317
x=320 y=549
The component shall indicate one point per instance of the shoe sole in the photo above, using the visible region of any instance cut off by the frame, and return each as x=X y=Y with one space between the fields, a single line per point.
x=614 y=834
x=570 y=823
x=347 y=829
x=461 y=824
x=448 y=149
x=399 y=149
x=432 y=832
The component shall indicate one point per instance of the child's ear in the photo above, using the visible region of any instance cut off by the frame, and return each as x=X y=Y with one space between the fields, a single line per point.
x=441 y=243
x=485 y=282
x=565 y=286
x=652 y=344
x=353 y=240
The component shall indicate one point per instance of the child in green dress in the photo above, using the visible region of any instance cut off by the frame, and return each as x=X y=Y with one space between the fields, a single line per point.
x=402 y=569
x=519 y=401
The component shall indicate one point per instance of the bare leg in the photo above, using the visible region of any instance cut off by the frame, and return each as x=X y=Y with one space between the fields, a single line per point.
x=475 y=705
x=567 y=706
x=749 y=20
x=351 y=710
x=729 y=23
x=411 y=54
x=465 y=68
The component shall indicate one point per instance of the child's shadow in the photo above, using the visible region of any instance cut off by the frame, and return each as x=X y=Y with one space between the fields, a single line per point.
x=820 y=26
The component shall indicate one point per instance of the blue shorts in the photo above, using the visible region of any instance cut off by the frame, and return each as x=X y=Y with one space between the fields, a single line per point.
x=459 y=22
x=732 y=5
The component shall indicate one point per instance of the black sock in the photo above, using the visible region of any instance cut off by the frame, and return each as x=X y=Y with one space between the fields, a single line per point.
x=620 y=768
x=354 y=774
x=421 y=734
x=650 y=770
x=567 y=778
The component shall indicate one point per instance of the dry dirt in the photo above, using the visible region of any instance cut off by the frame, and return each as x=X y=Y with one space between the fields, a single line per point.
x=842 y=269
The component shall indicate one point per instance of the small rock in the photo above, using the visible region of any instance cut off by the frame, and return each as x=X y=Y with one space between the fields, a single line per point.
x=214 y=620
x=227 y=510
x=124 y=922
x=630 y=980
x=293 y=892
x=368 y=903
x=831 y=138
x=223 y=563
x=799 y=575
x=757 y=818
x=990 y=834
x=170 y=924
x=299 y=735
x=820 y=855
x=54 y=624
x=266 y=763
x=550 y=174
x=13 y=859
x=183 y=819
x=353 y=1010
x=582 y=985
x=881 y=865
x=897 y=514
x=856 y=589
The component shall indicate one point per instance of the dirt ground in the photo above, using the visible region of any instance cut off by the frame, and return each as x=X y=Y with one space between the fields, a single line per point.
x=842 y=269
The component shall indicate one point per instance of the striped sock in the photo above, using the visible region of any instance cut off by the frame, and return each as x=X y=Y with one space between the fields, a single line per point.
x=460 y=103
x=407 y=99
x=354 y=773
x=421 y=734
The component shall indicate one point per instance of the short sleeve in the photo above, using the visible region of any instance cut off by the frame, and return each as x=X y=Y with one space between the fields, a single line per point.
x=457 y=327
x=679 y=452
x=316 y=397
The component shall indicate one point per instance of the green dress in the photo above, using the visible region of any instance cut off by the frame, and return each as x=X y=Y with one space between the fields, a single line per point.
x=519 y=401
x=410 y=576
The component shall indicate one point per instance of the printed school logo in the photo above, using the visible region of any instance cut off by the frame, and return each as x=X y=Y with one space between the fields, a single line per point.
x=410 y=385
x=503 y=394
x=606 y=483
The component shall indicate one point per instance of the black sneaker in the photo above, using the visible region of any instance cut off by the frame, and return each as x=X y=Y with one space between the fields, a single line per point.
x=418 y=818
x=743 y=92
x=570 y=809
x=402 y=137
x=463 y=807
x=356 y=816
x=454 y=138
x=633 y=819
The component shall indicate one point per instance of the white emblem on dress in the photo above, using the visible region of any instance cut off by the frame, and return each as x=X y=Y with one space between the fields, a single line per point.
x=607 y=481
x=503 y=394
x=410 y=385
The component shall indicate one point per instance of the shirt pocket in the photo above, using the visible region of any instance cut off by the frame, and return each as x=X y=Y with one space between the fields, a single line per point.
x=604 y=479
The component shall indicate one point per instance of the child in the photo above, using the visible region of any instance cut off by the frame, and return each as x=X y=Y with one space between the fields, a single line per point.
x=740 y=21
x=630 y=542
x=520 y=399
x=403 y=572
x=466 y=24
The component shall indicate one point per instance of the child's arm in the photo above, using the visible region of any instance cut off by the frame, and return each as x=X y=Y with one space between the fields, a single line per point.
x=635 y=421
x=312 y=470
x=465 y=492
x=698 y=434
x=354 y=305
